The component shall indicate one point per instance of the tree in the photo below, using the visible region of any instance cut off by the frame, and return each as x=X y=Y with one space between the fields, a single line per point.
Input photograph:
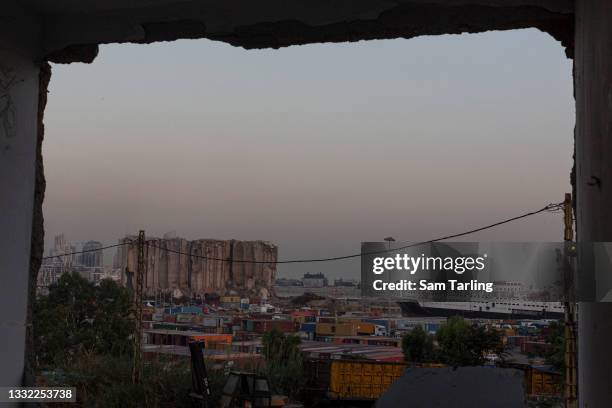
x=104 y=380
x=284 y=362
x=486 y=341
x=418 y=346
x=556 y=355
x=78 y=317
x=111 y=321
x=462 y=344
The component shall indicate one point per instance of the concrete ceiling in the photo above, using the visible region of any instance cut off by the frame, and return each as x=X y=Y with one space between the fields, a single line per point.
x=72 y=29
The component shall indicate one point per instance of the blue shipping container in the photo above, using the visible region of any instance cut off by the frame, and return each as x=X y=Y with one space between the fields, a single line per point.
x=308 y=327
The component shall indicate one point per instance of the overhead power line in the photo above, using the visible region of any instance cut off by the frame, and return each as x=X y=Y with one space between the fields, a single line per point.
x=87 y=250
x=549 y=208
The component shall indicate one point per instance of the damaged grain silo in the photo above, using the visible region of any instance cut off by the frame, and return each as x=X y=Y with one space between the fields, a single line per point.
x=201 y=266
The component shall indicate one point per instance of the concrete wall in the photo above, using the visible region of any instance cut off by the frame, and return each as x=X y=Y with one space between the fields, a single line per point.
x=19 y=85
x=593 y=90
x=70 y=30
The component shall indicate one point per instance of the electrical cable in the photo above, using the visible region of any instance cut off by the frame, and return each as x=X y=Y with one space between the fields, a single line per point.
x=548 y=208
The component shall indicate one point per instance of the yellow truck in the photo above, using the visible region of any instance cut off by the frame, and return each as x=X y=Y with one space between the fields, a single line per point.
x=352 y=379
x=543 y=381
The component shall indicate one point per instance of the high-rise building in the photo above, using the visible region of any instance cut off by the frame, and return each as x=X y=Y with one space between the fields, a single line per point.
x=92 y=255
x=63 y=258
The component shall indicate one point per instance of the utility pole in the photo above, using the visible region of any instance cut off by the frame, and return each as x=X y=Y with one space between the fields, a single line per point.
x=570 y=389
x=138 y=288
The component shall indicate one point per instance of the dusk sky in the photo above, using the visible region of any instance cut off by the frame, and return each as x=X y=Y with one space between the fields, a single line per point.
x=315 y=148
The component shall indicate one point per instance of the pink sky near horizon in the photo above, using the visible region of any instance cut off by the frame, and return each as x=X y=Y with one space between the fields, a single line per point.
x=315 y=148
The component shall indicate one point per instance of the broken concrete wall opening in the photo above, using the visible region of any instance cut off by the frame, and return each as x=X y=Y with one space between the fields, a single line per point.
x=33 y=31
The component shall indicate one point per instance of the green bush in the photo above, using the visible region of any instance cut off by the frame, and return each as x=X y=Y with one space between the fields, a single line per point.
x=418 y=346
x=83 y=338
x=284 y=366
x=463 y=344
x=79 y=317
x=106 y=381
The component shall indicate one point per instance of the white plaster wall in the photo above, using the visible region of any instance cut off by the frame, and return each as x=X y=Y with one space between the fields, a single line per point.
x=18 y=131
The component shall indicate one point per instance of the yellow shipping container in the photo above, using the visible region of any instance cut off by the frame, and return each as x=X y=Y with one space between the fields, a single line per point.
x=325 y=329
x=346 y=329
x=362 y=380
x=366 y=328
x=352 y=328
x=543 y=382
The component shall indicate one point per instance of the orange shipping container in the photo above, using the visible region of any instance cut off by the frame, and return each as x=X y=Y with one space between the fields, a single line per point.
x=230 y=299
x=212 y=339
x=366 y=328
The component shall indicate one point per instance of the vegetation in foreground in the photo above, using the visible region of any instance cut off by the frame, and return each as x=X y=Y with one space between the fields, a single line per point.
x=78 y=318
x=84 y=339
x=457 y=343
x=284 y=366
x=106 y=381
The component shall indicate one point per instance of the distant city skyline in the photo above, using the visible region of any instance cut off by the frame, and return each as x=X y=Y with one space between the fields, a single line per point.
x=314 y=148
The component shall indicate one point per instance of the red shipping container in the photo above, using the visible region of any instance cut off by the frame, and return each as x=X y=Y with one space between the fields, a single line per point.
x=170 y=318
x=536 y=348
